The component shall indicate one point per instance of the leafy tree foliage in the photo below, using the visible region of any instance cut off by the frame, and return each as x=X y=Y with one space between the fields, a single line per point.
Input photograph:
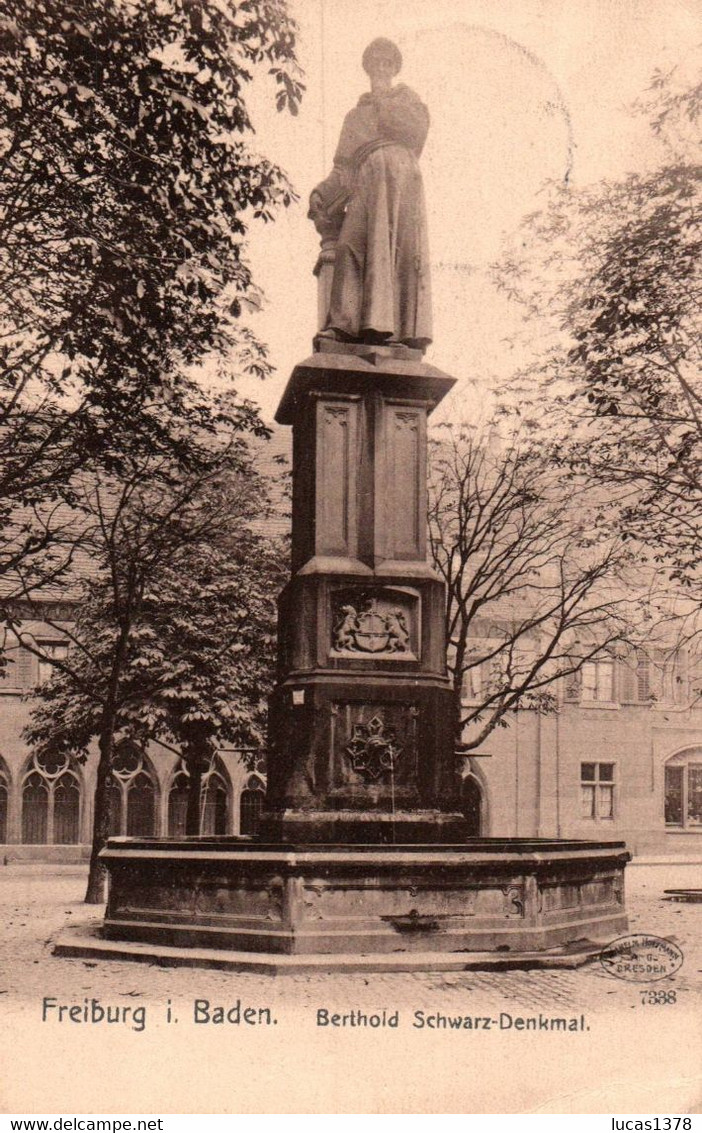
x=537 y=582
x=617 y=265
x=174 y=638
x=127 y=185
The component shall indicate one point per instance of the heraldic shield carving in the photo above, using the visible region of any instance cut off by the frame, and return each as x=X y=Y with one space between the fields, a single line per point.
x=373 y=623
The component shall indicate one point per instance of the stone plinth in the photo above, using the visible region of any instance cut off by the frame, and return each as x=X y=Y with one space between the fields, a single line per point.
x=361 y=727
x=511 y=896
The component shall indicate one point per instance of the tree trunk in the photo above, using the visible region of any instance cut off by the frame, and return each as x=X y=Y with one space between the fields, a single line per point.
x=197 y=755
x=457 y=688
x=192 y=813
x=95 y=893
x=457 y=706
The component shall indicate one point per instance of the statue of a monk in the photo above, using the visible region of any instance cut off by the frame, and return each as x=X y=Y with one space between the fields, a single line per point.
x=375 y=200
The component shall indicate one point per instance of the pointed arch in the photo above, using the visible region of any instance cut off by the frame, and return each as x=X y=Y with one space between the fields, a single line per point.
x=132 y=792
x=474 y=801
x=251 y=803
x=215 y=805
x=52 y=798
x=215 y=800
x=178 y=802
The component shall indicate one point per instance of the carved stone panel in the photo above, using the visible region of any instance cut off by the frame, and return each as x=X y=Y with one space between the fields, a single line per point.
x=374 y=745
x=336 y=524
x=375 y=622
x=563 y=895
x=404 y=487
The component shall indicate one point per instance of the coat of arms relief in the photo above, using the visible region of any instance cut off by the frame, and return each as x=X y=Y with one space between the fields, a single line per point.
x=374 y=623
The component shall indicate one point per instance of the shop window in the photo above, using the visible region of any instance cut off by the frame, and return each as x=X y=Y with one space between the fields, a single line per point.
x=683 y=795
x=251 y=806
x=51 y=794
x=597 y=790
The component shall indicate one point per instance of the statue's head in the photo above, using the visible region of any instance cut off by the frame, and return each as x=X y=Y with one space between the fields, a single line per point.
x=382 y=58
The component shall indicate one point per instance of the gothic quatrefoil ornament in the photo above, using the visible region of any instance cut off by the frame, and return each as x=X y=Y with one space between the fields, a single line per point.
x=373 y=750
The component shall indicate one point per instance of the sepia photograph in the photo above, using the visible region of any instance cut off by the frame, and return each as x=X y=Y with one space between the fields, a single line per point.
x=350 y=543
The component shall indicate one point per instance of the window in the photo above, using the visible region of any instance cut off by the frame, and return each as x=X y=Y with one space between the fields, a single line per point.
x=214 y=801
x=658 y=676
x=214 y=804
x=50 y=802
x=141 y=804
x=19 y=669
x=471 y=805
x=51 y=649
x=485 y=678
x=178 y=804
x=66 y=811
x=597 y=790
x=35 y=810
x=635 y=679
x=597 y=680
x=674 y=678
x=251 y=805
x=473 y=683
x=131 y=794
x=683 y=794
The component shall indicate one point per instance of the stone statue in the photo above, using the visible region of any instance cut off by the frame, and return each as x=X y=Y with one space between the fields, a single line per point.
x=374 y=199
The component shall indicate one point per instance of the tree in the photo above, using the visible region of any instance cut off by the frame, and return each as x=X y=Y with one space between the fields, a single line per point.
x=127 y=185
x=537 y=582
x=203 y=653
x=617 y=265
x=174 y=634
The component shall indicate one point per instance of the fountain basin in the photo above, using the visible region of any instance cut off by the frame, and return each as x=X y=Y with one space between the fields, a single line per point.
x=514 y=897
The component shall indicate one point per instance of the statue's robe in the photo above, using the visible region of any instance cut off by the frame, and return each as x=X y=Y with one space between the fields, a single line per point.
x=381 y=279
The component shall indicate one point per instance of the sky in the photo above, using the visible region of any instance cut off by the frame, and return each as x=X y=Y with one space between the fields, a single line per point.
x=520 y=92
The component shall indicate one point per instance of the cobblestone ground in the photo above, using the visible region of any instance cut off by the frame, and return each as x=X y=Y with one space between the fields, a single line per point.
x=651 y=1053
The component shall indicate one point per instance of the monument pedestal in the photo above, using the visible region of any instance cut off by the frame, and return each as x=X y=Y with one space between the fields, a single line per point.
x=361 y=725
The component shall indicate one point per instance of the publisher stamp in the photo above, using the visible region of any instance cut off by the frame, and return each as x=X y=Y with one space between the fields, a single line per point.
x=640 y=958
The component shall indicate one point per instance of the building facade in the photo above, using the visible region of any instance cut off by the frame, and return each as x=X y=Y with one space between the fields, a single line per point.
x=620 y=757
